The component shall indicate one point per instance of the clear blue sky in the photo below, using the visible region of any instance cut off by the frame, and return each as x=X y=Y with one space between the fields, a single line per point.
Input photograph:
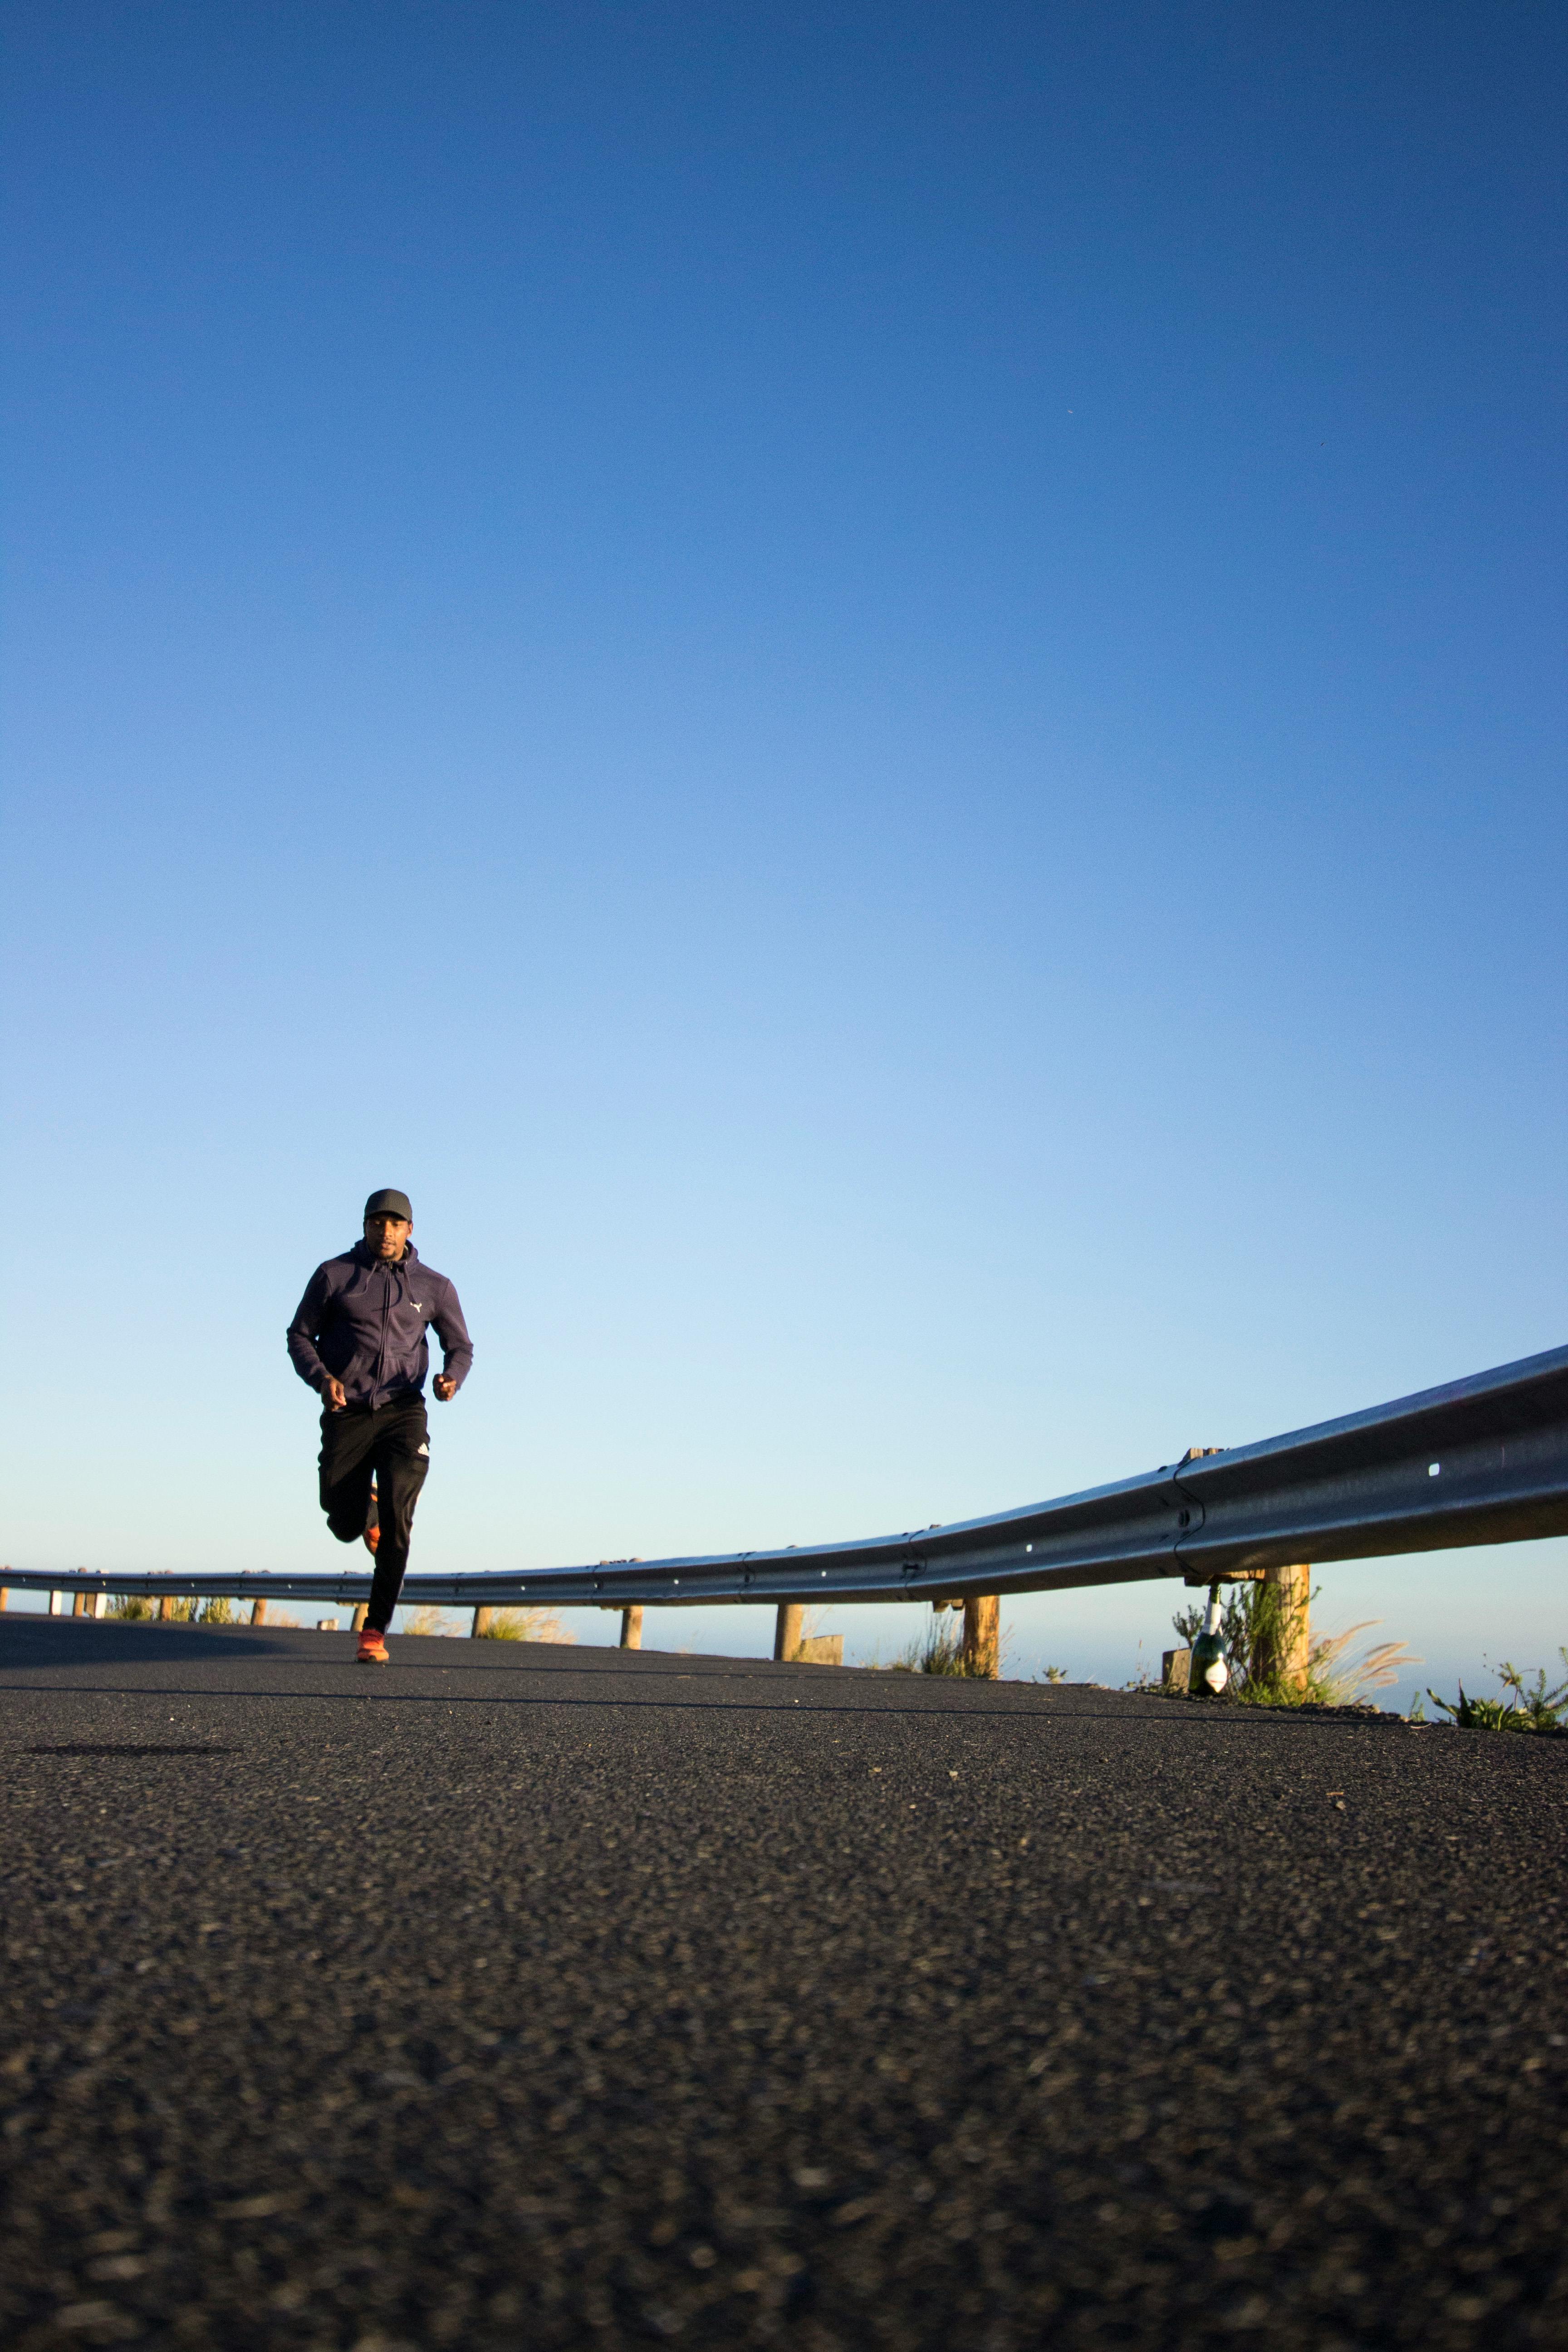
x=876 y=690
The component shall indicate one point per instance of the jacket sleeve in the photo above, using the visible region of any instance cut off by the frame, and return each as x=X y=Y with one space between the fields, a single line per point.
x=306 y=1329
x=457 y=1348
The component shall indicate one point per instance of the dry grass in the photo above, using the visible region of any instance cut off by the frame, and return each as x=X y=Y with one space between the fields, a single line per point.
x=427 y=1619
x=940 y=1650
x=1334 y=1678
x=526 y=1625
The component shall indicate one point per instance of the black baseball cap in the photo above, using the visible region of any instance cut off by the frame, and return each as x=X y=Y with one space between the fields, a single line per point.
x=389 y=1204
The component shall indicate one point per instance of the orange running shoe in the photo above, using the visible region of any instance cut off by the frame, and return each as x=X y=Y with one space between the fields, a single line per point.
x=372 y=1649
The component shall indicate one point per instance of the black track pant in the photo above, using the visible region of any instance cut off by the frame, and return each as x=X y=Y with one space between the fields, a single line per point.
x=392 y=1443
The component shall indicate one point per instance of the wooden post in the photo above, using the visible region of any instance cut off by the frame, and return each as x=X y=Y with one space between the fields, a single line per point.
x=983 y=1637
x=631 y=1626
x=1285 y=1648
x=361 y=1612
x=787 y=1630
x=481 y=1624
x=4 y=1595
x=258 y=1612
x=79 y=1604
x=165 y=1608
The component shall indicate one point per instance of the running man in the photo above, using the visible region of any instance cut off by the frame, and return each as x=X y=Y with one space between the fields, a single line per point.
x=358 y=1337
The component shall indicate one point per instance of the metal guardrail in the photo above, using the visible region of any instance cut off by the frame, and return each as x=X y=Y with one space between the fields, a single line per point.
x=1484 y=1460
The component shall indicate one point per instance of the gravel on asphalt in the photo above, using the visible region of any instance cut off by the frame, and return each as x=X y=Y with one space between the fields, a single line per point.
x=525 y=1996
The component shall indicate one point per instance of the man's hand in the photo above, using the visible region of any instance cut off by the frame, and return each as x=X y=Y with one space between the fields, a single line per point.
x=336 y=1395
x=445 y=1386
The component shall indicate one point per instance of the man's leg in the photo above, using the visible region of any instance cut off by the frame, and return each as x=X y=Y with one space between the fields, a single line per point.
x=401 y=1460
x=347 y=1465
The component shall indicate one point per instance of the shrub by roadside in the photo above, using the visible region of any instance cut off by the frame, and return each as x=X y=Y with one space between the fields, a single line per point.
x=1251 y=1630
x=1533 y=1709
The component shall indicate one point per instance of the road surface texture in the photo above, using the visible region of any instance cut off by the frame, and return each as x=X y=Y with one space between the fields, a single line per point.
x=534 y=1997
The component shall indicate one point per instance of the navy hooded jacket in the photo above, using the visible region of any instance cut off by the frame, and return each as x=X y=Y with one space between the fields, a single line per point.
x=363 y=1321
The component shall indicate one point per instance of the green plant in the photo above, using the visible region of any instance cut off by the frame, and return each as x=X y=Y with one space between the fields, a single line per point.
x=1528 y=1710
x=134 y=1608
x=220 y=1611
x=1547 y=1710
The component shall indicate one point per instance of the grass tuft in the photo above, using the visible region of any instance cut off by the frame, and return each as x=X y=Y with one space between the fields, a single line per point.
x=425 y=1618
x=940 y=1651
x=526 y=1625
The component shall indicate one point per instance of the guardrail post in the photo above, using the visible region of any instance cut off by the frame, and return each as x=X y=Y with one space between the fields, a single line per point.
x=361 y=1610
x=258 y=1612
x=165 y=1608
x=79 y=1604
x=1285 y=1647
x=481 y=1624
x=631 y=1626
x=983 y=1636
x=787 y=1630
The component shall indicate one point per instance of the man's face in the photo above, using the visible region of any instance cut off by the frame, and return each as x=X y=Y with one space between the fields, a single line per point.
x=387 y=1236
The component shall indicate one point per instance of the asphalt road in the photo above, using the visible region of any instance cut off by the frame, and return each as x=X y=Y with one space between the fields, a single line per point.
x=538 y=1997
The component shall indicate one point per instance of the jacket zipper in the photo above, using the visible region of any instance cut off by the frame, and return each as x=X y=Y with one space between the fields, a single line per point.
x=387 y=1273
